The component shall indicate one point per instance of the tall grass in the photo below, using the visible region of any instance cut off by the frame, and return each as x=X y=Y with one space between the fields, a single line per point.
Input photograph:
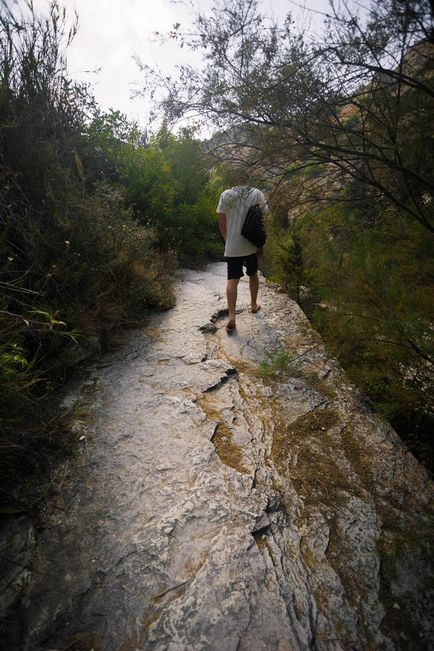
x=74 y=262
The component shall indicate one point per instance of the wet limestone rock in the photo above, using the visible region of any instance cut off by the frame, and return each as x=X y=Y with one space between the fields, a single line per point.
x=224 y=504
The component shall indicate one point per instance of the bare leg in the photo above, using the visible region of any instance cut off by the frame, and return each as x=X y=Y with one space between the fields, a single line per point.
x=254 y=287
x=231 y=294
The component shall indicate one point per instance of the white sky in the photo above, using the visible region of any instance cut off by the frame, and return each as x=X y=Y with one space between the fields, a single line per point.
x=112 y=31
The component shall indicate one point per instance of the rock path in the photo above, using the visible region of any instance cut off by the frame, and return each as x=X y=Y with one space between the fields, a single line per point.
x=223 y=505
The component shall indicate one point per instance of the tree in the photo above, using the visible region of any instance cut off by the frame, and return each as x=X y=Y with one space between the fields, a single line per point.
x=360 y=99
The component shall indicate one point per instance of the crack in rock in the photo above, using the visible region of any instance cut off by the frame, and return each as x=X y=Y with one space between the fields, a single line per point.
x=208 y=328
x=230 y=372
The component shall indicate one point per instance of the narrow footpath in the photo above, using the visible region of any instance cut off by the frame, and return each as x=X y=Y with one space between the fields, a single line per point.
x=221 y=504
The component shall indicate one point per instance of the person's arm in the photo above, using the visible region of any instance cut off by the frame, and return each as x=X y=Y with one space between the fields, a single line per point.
x=222 y=225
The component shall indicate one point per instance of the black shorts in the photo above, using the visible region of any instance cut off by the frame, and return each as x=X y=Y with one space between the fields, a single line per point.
x=235 y=266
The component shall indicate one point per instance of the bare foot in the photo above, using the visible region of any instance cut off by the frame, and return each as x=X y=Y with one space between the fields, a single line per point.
x=255 y=308
x=230 y=326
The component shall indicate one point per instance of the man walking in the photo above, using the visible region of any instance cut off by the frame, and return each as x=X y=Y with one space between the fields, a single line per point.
x=232 y=209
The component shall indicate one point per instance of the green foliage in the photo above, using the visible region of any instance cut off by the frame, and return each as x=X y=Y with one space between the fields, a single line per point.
x=282 y=260
x=373 y=283
x=76 y=263
x=364 y=274
x=276 y=362
x=165 y=182
x=93 y=218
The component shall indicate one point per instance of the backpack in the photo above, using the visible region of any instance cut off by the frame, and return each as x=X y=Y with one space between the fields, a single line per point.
x=254 y=228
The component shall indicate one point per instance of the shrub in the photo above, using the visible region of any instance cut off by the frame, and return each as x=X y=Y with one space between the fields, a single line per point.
x=75 y=263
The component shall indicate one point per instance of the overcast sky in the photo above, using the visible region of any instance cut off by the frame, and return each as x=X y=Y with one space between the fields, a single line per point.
x=112 y=31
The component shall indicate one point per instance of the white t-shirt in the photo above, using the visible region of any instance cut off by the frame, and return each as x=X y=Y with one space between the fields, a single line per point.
x=234 y=203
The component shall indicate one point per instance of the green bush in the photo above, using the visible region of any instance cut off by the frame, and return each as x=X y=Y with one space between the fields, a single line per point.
x=164 y=180
x=368 y=271
x=76 y=264
x=373 y=280
x=282 y=262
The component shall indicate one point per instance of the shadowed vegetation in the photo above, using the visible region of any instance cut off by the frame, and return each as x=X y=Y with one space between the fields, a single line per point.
x=94 y=217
